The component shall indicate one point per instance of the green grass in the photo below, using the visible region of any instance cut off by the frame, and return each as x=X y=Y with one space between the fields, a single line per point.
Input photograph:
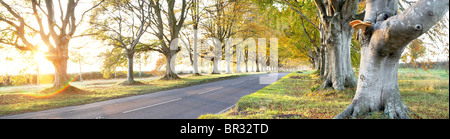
x=296 y=96
x=15 y=100
x=426 y=93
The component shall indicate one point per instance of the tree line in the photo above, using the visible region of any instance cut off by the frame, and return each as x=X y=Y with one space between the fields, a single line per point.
x=129 y=28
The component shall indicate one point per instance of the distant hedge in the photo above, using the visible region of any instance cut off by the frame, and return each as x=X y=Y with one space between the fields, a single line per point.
x=426 y=65
x=28 y=79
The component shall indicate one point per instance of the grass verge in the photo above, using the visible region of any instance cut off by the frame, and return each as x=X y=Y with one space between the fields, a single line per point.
x=16 y=102
x=296 y=96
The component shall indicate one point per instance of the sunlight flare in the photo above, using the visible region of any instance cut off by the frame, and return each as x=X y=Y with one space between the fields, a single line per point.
x=53 y=93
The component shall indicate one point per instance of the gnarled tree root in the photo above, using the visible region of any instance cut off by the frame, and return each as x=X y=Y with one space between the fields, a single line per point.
x=346 y=81
x=394 y=109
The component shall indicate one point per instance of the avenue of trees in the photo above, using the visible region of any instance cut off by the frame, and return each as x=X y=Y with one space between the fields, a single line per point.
x=331 y=36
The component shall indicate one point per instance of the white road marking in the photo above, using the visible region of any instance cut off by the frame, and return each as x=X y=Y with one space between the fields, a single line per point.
x=210 y=90
x=226 y=109
x=152 y=105
x=238 y=83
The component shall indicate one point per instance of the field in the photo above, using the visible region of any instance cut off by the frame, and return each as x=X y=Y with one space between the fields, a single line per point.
x=21 y=99
x=296 y=96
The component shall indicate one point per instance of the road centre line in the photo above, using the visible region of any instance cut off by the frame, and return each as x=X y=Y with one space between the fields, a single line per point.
x=210 y=90
x=238 y=83
x=181 y=98
x=152 y=105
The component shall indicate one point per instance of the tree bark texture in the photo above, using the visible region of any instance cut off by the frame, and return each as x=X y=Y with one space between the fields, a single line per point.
x=60 y=63
x=170 y=65
x=336 y=37
x=195 y=55
x=215 y=66
x=339 y=73
x=169 y=43
x=381 y=48
x=130 y=76
x=217 y=55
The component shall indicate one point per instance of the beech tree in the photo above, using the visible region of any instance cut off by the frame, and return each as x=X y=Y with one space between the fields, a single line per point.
x=301 y=35
x=384 y=36
x=224 y=18
x=190 y=33
x=56 y=32
x=195 y=15
x=168 y=41
x=336 y=36
x=122 y=24
x=333 y=57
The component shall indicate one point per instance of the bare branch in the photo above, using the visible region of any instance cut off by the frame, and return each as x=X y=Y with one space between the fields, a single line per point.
x=82 y=15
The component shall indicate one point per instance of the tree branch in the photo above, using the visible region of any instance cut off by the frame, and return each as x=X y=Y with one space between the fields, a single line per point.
x=299 y=12
x=321 y=6
x=415 y=21
x=82 y=15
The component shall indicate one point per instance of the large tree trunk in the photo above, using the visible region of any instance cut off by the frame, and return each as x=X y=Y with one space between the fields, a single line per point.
x=238 y=66
x=229 y=71
x=336 y=37
x=61 y=79
x=195 y=55
x=217 y=55
x=378 y=88
x=59 y=58
x=257 y=65
x=170 y=65
x=130 y=76
x=215 y=66
x=246 y=65
x=228 y=54
x=322 y=52
x=322 y=59
x=382 y=46
x=228 y=59
x=339 y=73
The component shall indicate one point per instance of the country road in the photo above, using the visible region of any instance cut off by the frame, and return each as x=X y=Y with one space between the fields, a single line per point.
x=183 y=103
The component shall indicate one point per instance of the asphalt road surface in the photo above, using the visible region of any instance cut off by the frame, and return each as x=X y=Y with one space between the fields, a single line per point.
x=183 y=103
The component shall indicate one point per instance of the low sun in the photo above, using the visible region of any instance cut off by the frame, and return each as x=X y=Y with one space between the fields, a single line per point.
x=39 y=57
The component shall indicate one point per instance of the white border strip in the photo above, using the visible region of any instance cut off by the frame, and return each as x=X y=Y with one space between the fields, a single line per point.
x=224 y=110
